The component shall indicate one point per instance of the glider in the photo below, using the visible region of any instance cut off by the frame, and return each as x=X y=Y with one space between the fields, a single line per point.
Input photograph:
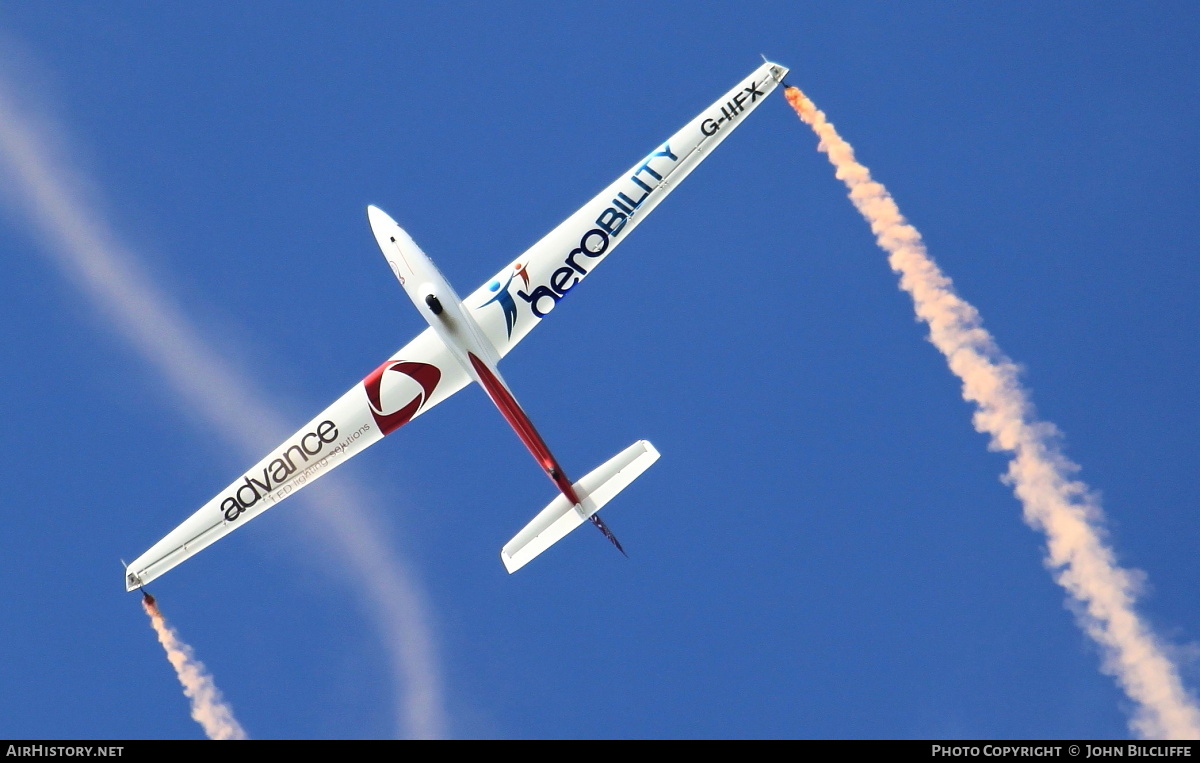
x=465 y=341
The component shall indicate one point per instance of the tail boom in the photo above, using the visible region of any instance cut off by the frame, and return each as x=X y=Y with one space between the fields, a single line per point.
x=519 y=421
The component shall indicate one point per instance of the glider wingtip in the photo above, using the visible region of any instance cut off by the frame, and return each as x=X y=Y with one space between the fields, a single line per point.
x=778 y=70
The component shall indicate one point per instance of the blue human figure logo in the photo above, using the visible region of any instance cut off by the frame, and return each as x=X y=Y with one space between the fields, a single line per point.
x=505 y=298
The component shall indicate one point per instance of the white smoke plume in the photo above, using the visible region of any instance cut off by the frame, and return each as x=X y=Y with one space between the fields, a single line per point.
x=209 y=708
x=41 y=184
x=1062 y=508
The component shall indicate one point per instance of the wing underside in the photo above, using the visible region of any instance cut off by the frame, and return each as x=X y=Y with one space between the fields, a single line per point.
x=418 y=377
x=508 y=306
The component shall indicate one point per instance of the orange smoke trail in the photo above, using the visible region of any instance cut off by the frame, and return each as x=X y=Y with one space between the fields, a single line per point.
x=208 y=707
x=1060 y=507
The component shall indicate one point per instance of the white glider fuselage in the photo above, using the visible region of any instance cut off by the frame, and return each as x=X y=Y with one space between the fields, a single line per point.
x=464 y=342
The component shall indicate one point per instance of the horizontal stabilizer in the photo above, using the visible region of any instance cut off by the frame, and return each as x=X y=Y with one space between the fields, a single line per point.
x=561 y=516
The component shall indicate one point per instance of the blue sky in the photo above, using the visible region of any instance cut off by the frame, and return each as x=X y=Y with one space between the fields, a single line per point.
x=825 y=548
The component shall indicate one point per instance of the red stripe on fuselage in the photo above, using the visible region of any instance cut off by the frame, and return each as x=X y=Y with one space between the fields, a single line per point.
x=521 y=424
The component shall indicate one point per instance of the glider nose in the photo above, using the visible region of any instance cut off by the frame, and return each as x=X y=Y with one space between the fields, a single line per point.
x=379 y=219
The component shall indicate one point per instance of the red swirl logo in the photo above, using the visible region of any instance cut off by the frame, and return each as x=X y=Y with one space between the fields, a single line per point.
x=391 y=393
